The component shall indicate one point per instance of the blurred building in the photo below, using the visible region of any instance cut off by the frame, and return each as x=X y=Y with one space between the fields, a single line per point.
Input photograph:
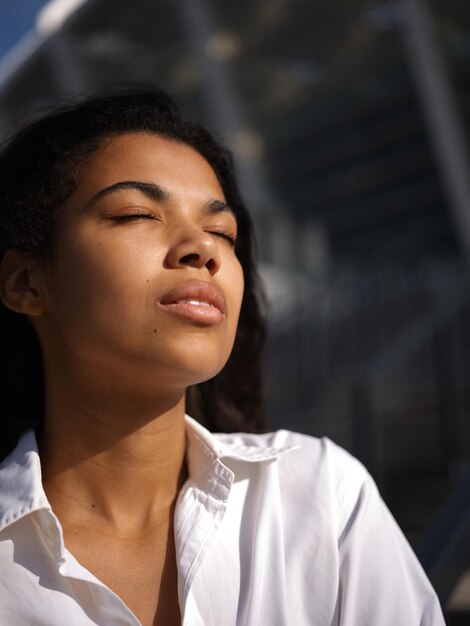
x=349 y=121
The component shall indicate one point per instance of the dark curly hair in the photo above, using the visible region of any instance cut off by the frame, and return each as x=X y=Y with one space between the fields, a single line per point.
x=38 y=171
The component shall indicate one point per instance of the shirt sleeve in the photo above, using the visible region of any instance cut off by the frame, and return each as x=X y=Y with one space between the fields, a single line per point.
x=381 y=582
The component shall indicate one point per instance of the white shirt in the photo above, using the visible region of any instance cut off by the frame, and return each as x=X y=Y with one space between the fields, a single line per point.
x=271 y=530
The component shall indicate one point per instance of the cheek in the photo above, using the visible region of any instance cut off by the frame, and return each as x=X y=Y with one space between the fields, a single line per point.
x=235 y=284
x=94 y=282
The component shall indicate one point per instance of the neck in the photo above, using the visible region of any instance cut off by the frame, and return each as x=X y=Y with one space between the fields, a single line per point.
x=122 y=462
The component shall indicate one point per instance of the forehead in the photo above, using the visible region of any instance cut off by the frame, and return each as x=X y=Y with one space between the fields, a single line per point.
x=150 y=157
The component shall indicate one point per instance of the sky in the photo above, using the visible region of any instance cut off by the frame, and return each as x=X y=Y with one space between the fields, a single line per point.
x=16 y=18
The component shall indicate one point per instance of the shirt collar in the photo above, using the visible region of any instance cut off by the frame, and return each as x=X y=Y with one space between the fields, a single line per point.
x=206 y=452
x=239 y=446
x=21 y=490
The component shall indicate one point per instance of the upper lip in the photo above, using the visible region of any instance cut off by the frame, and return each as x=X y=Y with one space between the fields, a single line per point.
x=195 y=290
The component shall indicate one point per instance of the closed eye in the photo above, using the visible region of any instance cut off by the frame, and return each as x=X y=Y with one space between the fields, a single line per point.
x=227 y=236
x=133 y=216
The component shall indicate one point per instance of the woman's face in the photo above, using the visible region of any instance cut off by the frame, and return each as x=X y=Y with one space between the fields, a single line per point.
x=144 y=278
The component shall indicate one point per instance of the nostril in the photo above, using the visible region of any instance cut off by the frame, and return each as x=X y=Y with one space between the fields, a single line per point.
x=197 y=260
x=211 y=265
x=189 y=258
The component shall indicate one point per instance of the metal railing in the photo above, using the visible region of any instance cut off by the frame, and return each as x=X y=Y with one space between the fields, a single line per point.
x=362 y=332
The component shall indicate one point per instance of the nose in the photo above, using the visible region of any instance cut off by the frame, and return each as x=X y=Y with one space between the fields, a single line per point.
x=196 y=249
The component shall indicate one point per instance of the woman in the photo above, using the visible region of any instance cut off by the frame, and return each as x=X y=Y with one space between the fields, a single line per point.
x=127 y=249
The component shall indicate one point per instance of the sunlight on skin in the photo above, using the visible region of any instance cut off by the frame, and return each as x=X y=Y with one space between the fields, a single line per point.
x=148 y=220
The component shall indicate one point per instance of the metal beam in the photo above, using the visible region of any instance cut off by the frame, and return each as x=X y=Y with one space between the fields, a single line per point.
x=225 y=107
x=438 y=102
x=49 y=25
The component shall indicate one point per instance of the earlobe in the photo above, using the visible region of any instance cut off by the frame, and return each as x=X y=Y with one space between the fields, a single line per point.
x=17 y=289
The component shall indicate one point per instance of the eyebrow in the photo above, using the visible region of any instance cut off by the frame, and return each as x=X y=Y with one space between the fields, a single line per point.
x=217 y=206
x=151 y=190
x=155 y=192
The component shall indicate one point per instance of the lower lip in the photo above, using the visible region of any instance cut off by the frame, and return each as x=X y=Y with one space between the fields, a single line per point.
x=196 y=313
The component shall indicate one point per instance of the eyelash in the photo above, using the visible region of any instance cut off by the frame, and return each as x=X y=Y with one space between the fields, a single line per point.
x=134 y=216
x=224 y=235
x=227 y=236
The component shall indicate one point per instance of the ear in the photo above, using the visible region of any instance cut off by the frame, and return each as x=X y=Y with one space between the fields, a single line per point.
x=18 y=289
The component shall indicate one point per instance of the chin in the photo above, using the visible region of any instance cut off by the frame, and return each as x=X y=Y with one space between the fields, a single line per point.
x=195 y=373
x=196 y=360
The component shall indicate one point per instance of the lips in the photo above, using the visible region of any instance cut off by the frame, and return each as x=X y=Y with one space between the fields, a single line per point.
x=196 y=301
